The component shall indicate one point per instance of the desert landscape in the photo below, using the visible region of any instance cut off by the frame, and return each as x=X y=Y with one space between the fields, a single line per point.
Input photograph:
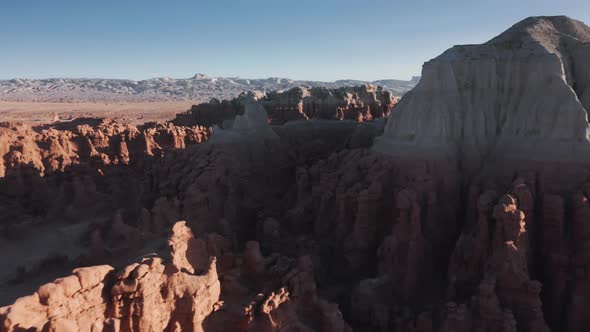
x=38 y=113
x=159 y=99
x=454 y=202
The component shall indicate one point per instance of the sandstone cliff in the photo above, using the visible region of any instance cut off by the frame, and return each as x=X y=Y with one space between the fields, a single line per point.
x=522 y=95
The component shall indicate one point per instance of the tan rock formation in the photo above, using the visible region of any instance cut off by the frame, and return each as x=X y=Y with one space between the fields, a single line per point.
x=146 y=296
x=153 y=295
x=362 y=103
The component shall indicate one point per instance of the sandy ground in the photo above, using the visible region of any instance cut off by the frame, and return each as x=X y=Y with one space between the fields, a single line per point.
x=136 y=113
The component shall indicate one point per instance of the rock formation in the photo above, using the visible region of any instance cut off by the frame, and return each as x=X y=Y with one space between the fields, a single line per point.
x=512 y=109
x=521 y=96
x=363 y=103
x=84 y=141
x=469 y=213
x=180 y=295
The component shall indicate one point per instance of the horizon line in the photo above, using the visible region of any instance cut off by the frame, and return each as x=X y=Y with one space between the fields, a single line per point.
x=205 y=75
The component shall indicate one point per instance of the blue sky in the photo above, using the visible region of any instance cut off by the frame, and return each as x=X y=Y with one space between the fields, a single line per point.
x=301 y=39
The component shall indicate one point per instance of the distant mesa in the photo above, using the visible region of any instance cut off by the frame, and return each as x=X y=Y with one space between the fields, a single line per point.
x=358 y=103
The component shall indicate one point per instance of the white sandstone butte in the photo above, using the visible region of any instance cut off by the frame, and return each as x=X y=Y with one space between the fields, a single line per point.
x=523 y=95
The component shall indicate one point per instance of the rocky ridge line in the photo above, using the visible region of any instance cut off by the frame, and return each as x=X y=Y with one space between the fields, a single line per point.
x=358 y=103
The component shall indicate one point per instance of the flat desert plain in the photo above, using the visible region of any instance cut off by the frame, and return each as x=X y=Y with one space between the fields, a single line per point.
x=129 y=112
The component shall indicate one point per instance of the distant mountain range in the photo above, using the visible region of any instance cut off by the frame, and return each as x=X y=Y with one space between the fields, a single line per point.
x=200 y=87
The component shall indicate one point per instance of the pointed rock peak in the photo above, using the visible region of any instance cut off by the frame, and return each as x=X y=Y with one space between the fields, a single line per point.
x=179 y=242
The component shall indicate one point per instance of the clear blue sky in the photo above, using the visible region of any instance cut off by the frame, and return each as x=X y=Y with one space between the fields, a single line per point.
x=301 y=39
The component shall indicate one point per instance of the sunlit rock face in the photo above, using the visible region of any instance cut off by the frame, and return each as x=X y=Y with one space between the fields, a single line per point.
x=88 y=142
x=523 y=95
x=183 y=293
